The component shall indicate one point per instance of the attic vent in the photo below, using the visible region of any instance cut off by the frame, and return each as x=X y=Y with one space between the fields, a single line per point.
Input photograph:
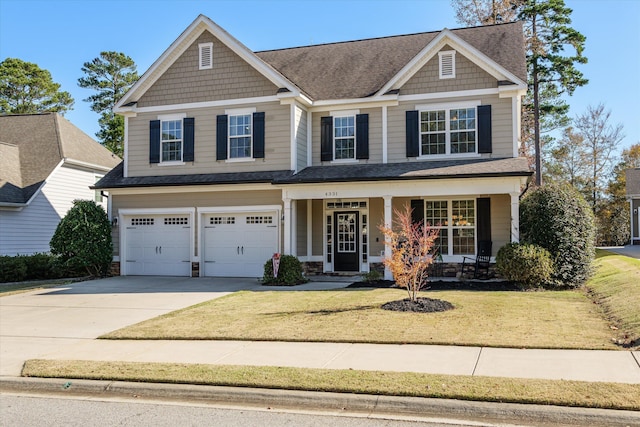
x=206 y=56
x=447 y=64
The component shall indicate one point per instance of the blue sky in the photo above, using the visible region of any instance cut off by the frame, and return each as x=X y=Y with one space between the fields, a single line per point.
x=60 y=35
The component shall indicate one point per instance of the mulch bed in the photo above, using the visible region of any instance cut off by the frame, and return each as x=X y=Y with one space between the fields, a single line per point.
x=474 y=285
x=421 y=305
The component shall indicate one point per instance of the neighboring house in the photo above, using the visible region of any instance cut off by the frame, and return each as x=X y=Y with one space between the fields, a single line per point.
x=45 y=164
x=233 y=155
x=633 y=195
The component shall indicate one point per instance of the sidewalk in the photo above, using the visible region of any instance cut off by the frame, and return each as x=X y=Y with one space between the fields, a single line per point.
x=578 y=365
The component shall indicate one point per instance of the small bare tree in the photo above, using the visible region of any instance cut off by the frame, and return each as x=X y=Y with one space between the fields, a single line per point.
x=411 y=251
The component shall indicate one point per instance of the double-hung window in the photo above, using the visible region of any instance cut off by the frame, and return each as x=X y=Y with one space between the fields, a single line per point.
x=344 y=137
x=456 y=222
x=240 y=136
x=171 y=140
x=450 y=130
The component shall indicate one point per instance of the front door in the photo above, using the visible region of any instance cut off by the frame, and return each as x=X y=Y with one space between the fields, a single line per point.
x=346 y=244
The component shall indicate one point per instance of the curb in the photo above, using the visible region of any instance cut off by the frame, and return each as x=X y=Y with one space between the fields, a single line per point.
x=338 y=402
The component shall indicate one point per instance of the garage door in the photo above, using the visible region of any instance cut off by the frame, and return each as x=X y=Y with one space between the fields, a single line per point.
x=238 y=244
x=158 y=245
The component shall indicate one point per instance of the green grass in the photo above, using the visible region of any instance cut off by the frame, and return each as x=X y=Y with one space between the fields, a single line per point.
x=548 y=392
x=21 y=287
x=562 y=319
x=616 y=288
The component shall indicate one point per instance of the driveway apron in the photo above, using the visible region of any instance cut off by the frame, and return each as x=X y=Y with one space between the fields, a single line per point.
x=33 y=324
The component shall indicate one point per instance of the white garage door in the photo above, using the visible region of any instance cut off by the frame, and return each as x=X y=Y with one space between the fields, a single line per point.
x=157 y=245
x=238 y=244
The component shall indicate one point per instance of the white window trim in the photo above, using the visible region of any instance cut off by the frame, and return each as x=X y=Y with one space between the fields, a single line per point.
x=447 y=54
x=341 y=114
x=201 y=48
x=168 y=118
x=422 y=108
x=239 y=112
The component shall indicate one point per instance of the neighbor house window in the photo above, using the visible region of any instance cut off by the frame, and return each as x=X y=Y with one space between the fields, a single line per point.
x=456 y=222
x=240 y=136
x=448 y=131
x=171 y=140
x=344 y=137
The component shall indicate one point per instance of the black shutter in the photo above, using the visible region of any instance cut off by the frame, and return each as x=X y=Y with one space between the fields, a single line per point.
x=413 y=134
x=326 y=139
x=483 y=210
x=484 y=129
x=221 y=137
x=188 y=124
x=362 y=136
x=154 y=141
x=258 y=135
x=417 y=214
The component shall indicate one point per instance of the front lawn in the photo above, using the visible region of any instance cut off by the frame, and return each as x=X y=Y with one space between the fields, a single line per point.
x=562 y=319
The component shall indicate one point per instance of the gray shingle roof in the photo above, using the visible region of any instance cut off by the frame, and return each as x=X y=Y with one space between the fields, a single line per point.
x=343 y=173
x=34 y=144
x=115 y=179
x=357 y=69
x=411 y=170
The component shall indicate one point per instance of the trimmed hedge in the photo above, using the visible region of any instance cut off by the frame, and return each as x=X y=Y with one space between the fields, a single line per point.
x=38 y=266
x=290 y=272
x=526 y=264
x=557 y=218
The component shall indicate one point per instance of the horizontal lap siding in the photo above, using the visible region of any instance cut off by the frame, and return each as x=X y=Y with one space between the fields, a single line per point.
x=301 y=228
x=301 y=137
x=500 y=221
x=230 y=78
x=375 y=135
x=277 y=143
x=318 y=228
x=376 y=215
x=501 y=122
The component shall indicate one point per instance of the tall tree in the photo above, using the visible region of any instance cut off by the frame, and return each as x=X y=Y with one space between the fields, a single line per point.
x=551 y=73
x=600 y=139
x=26 y=88
x=551 y=64
x=111 y=75
x=567 y=160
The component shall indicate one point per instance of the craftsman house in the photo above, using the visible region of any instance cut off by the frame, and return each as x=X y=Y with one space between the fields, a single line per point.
x=45 y=164
x=233 y=155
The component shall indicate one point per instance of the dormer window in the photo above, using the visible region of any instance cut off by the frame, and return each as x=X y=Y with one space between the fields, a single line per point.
x=447 y=61
x=206 y=56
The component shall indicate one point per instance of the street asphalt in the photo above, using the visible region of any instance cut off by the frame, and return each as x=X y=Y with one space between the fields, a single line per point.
x=64 y=322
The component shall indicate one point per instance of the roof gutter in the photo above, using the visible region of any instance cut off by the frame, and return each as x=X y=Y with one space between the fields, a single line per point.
x=86 y=165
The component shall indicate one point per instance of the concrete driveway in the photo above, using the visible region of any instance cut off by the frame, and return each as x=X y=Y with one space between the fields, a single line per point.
x=36 y=323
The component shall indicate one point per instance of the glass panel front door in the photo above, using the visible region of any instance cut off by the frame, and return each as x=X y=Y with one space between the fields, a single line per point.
x=346 y=241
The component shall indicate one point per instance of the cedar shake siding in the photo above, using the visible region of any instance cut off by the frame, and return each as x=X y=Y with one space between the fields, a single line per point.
x=468 y=77
x=229 y=78
x=276 y=153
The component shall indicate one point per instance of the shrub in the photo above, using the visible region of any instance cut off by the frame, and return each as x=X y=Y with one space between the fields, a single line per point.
x=526 y=264
x=372 y=276
x=558 y=218
x=83 y=239
x=40 y=266
x=290 y=272
x=12 y=269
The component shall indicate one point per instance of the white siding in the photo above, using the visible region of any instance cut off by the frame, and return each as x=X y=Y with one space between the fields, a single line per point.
x=29 y=231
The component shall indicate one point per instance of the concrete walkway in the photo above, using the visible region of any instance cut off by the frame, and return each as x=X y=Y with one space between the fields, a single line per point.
x=62 y=323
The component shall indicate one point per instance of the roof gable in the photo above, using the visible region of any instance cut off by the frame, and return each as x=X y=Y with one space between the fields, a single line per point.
x=37 y=144
x=182 y=43
x=230 y=77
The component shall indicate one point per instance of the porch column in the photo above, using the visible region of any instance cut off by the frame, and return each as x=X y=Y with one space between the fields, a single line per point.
x=387 y=244
x=287 y=226
x=294 y=227
x=515 y=217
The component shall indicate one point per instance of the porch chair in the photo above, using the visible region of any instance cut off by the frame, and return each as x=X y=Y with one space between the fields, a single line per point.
x=481 y=262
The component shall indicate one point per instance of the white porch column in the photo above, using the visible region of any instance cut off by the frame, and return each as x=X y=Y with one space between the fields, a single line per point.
x=294 y=227
x=309 y=228
x=387 y=244
x=287 y=226
x=515 y=217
